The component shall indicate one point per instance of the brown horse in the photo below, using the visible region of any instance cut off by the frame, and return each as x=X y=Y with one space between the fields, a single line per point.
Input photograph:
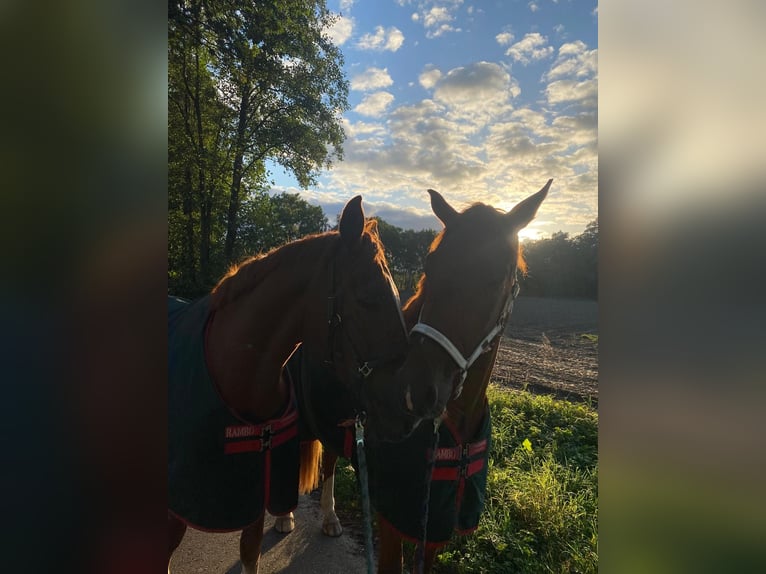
x=232 y=420
x=455 y=319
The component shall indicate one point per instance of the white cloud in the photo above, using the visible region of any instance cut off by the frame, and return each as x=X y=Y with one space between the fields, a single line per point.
x=341 y=30
x=574 y=60
x=395 y=39
x=469 y=141
x=346 y=4
x=374 y=105
x=561 y=91
x=533 y=7
x=573 y=77
x=371 y=79
x=504 y=38
x=532 y=47
x=382 y=39
x=429 y=77
x=362 y=129
x=437 y=16
x=478 y=85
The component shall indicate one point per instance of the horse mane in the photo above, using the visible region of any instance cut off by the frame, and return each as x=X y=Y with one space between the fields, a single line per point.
x=480 y=216
x=243 y=277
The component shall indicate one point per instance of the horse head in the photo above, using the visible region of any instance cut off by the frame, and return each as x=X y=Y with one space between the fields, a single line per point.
x=360 y=327
x=463 y=299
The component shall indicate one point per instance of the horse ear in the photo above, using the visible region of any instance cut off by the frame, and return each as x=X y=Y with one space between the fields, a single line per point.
x=524 y=212
x=352 y=221
x=443 y=210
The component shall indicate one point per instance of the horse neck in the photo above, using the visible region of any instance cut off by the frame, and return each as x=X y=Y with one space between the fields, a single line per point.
x=251 y=337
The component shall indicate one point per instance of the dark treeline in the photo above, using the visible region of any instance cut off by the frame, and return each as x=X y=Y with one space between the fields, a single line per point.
x=561 y=266
x=558 y=266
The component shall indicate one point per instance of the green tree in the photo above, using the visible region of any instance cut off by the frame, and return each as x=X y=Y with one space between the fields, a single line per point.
x=406 y=252
x=282 y=75
x=247 y=82
x=198 y=129
x=269 y=221
x=560 y=266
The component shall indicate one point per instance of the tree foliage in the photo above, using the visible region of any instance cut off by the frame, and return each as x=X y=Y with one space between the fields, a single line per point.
x=270 y=221
x=561 y=266
x=406 y=252
x=247 y=82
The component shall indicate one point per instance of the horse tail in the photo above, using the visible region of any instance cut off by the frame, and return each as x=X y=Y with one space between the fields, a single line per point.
x=311 y=457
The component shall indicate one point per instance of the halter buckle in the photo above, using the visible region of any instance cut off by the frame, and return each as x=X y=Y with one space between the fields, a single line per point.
x=365 y=370
x=266 y=435
x=359 y=428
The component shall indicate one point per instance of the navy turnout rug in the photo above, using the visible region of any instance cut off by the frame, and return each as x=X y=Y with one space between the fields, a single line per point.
x=458 y=482
x=223 y=469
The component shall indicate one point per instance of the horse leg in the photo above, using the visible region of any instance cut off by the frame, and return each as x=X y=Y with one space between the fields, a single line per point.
x=389 y=549
x=250 y=546
x=284 y=523
x=176 y=531
x=330 y=523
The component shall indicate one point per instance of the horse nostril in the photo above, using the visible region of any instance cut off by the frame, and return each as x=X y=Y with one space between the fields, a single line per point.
x=427 y=401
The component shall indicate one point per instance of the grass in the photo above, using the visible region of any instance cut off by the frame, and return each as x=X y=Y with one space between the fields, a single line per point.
x=540 y=514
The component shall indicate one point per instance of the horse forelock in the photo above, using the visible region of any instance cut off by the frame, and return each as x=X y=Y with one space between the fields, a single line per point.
x=477 y=220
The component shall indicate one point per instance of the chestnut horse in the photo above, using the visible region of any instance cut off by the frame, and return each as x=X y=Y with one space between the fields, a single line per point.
x=455 y=318
x=232 y=419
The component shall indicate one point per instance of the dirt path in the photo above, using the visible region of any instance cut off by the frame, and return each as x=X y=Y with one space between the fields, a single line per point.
x=304 y=551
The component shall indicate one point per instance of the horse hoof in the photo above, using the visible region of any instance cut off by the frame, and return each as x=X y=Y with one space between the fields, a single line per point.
x=284 y=524
x=332 y=528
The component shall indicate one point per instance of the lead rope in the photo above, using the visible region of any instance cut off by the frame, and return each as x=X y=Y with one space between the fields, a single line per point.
x=362 y=461
x=421 y=550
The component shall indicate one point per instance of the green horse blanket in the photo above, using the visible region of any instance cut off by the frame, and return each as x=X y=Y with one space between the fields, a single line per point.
x=398 y=474
x=223 y=469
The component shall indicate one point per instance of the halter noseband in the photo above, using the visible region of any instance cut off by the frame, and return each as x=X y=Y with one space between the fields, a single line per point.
x=464 y=363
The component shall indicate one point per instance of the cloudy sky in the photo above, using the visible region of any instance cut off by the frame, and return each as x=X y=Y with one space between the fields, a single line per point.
x=480 y=100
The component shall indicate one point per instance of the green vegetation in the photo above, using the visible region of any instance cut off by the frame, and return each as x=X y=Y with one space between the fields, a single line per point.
x=247 y=82
x=542 y=495
x=542 y=492
x=560 y=266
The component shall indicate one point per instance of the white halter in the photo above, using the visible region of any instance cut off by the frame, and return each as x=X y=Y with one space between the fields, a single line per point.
x=462 y=362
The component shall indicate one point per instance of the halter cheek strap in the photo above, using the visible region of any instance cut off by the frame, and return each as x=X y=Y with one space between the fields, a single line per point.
x=464 y=363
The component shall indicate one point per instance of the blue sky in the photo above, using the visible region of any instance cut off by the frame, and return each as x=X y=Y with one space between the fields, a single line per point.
x=482 y=101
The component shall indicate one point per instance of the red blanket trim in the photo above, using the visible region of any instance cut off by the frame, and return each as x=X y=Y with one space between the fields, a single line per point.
x=429 y=545
x=456 y=452
x=258 y=445
x=452 y=473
